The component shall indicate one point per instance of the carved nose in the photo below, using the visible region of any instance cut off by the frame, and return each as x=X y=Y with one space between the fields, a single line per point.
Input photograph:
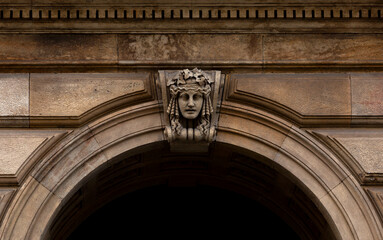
x=191 y=102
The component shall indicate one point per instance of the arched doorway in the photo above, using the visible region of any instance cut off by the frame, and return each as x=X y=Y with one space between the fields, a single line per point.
x=222 y=192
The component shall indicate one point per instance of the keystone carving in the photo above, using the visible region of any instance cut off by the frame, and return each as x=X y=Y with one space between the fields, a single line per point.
x=190 y=109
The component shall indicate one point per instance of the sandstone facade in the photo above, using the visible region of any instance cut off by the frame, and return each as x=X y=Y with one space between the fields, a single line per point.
x=298 y=104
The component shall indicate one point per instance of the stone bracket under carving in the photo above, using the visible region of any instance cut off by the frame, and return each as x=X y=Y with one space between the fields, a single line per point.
x=190 y=101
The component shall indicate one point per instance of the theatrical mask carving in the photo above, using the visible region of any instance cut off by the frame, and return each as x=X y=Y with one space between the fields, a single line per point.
x=190 y=106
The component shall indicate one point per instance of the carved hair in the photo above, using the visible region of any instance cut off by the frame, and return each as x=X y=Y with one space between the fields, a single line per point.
x=185 y=80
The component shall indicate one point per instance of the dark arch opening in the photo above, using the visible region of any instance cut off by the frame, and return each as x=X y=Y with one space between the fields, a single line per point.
x=179 y=212
x=225 y=172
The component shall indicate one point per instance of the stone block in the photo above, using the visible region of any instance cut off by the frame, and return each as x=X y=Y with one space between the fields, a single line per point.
x=330 y=177
x=367 y=94
x=69 y=161
x=367 y=151
x=253 y=128
x=50 y=205
x=74 y=94
x=336 y=215
x=79 y=173
x=247 y=143
x=14 y=94
x=323 y=48
x=129 y=133
x=190 y=47
x=297 y=170
x=127 y=147
x=15 y=151
x=35 y=195
x=355 y=212
x=307 y=94
x=58 y=48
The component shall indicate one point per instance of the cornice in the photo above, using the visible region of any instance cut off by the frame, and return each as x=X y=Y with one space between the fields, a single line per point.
x=190 y=16
x=298 y=10
x=187 y=2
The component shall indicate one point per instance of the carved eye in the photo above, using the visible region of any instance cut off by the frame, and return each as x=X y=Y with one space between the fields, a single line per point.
x=196 y=96
x=185 y=97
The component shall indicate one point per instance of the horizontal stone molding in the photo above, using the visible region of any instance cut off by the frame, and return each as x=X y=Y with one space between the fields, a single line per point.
x=190 y=26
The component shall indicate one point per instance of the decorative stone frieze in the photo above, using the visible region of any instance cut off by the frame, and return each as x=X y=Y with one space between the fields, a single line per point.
x=184 y=10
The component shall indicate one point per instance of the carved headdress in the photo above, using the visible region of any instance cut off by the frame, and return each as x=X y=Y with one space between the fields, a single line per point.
x=190 y=80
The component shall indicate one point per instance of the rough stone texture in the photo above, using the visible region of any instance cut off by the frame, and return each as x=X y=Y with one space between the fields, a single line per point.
x=74 y=94
x=14 y=94
x=190 y=47
x=314 y=48
x=308 y=94
x=367 y=94
x=58 y=48
x=367 y=151
x=14 y=151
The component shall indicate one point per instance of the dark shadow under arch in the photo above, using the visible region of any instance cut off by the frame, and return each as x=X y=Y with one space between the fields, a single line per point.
x=183 y=212
x=228 y=172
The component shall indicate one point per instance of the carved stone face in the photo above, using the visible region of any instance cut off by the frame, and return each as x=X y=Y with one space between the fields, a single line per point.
x=190 y=103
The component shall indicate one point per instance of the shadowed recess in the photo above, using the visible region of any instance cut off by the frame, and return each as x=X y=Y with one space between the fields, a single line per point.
x=161 y=193
x=175 y=212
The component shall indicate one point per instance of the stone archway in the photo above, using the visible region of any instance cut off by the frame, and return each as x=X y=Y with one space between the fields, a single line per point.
x=224 y=167
x=116 y=137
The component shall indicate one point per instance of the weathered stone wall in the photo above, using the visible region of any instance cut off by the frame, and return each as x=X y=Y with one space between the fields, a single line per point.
x=302 y=90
